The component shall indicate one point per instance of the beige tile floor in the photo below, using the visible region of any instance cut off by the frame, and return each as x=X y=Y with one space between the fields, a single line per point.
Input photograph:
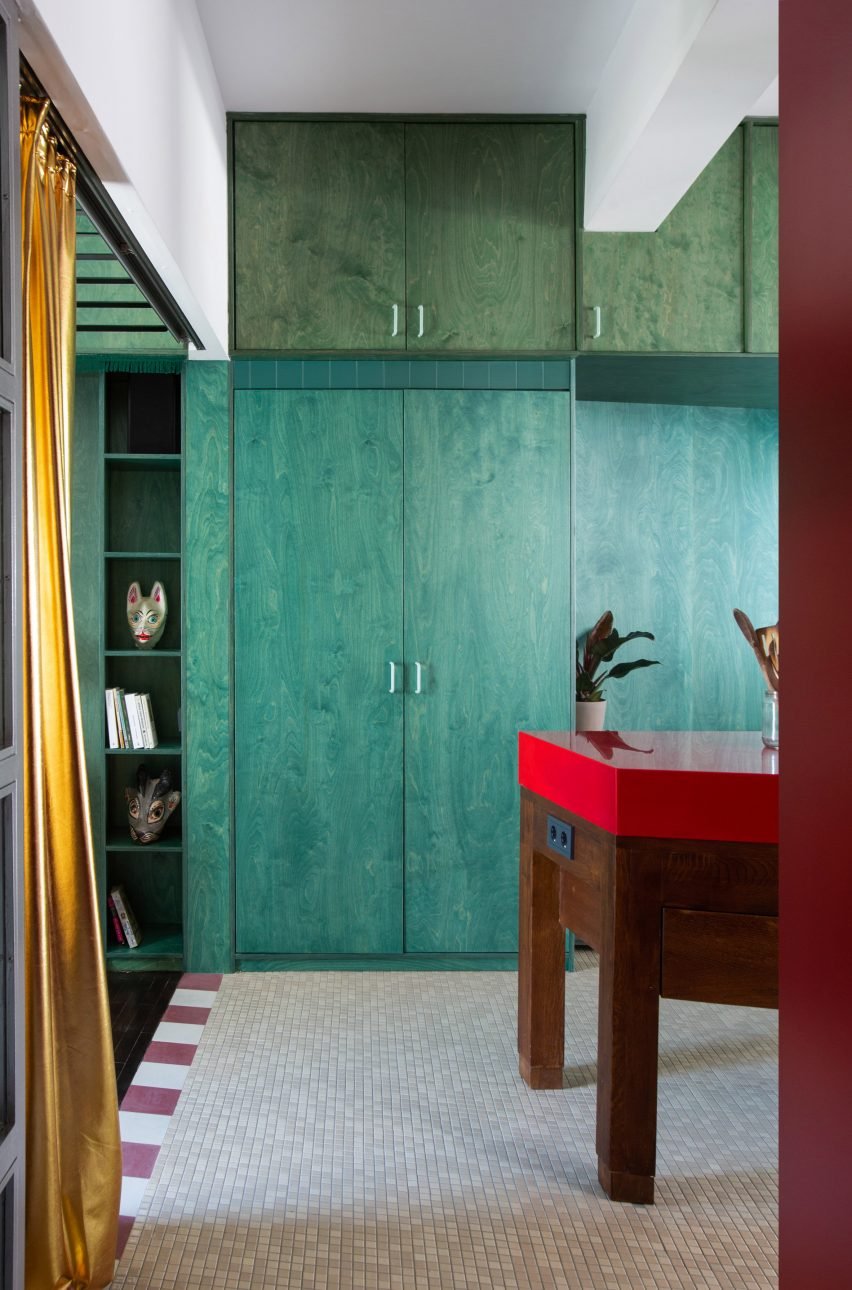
x=369 y=1131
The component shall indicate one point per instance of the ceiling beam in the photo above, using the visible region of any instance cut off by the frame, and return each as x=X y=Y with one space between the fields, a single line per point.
x=681 y=77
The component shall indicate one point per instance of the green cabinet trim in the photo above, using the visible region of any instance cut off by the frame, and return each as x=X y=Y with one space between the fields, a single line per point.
x=208 y=729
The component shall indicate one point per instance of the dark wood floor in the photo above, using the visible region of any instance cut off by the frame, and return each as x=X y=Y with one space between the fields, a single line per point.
x=137 y=1001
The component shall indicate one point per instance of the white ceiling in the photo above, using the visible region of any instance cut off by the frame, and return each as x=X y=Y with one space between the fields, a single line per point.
x=403 y=56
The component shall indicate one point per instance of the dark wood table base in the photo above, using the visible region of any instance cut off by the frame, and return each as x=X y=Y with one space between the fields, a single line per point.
x=682 y=919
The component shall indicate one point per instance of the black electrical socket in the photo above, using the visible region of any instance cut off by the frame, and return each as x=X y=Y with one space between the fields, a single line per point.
x=560 y=837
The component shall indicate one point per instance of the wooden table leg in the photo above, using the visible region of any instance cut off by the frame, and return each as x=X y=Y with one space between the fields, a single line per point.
x=541 y=965
x=628 y=1027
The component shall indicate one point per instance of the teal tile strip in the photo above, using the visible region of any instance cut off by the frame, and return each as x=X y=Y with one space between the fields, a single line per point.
x=401 y=374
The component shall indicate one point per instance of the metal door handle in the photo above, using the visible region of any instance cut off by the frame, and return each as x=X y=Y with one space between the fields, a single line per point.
x=420 y=320
x=395 y=309
x=392 y=689
x=418 y=675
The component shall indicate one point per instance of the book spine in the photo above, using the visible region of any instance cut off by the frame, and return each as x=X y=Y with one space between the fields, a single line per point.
x=121 y=712
x=112 y=729
x=152 y=728
x=116 y=921
x=133 y=718
x=128 y=922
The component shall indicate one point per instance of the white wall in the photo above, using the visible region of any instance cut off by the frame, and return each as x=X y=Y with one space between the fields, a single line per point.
x=134 y=82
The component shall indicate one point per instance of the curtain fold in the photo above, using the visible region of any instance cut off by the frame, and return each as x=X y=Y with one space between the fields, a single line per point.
x=73 y=1166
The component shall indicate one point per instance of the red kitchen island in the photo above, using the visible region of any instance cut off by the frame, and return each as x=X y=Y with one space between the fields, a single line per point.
x=660 y=850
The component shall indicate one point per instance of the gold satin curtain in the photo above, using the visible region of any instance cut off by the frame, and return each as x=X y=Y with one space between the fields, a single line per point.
x=73 y=1165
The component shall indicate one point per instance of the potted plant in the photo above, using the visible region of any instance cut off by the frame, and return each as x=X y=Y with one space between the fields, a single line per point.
x=600 y=646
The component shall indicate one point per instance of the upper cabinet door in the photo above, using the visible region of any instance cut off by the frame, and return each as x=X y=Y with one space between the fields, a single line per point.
x=319 y=228
x=490 y=237
x=764 y=240
x=680 y=289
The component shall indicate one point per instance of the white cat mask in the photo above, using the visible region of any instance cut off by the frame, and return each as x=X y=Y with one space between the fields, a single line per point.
x=146 y=614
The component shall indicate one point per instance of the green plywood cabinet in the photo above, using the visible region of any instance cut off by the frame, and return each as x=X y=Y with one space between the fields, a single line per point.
x=318 y=218
x=764 y=239
x=487 y=613
x=679 y=289
x=490 y=236
x=381 y=236
x=330 y=749
x=318 y=609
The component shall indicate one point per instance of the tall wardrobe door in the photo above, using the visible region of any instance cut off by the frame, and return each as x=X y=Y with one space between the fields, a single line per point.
x=318 y=605
x=487 y=615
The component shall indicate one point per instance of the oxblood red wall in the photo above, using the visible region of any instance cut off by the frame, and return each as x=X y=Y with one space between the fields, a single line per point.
x=816 y=613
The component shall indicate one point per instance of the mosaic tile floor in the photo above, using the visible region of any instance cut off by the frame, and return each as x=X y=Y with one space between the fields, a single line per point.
x=369 y=1131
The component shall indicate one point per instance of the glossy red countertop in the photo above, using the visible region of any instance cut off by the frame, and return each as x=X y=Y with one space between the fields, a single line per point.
x=666 y=784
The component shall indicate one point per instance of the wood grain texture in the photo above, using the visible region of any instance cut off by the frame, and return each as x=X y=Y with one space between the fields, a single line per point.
x=318 y=611
x=764 y=239
x=207 y=619
x=87 y=538
x=487 y=610
x=676 y=524
x=681 y=288
x=720 y=958
x=541 y=962
x=490 y=236
x=318 y=234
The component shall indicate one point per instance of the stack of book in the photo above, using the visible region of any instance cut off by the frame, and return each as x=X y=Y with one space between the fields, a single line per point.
x=130 y=720
x=124 y=923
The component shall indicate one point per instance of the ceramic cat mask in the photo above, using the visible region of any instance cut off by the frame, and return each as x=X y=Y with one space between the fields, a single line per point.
x=146 y=614
x=150 y=804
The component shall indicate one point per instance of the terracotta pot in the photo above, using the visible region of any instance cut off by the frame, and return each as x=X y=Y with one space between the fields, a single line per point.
x=591 y=714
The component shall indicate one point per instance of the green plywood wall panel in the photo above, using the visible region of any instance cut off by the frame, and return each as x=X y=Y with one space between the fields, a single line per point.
x=87 y=537
x=319 y=232
x=764 y=239
x=208 y=760
x=487 y=610
x=677 y=524
x=679 y=289
x=490 y=236
x=318 y=612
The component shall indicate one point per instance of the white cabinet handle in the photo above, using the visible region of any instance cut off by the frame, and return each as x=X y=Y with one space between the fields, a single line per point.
x=420 y=321
x=594 y=334
x=392 y=689
x=418 y=678
x=395 y=309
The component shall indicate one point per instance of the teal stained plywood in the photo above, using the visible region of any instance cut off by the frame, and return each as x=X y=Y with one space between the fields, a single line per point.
x=318 y=614
x=207 y=621
x=487 y=612
x=679 y=289
x=764 y=239
x=87 y=538
x=318 y=218
x=676 y=525
x=490 y=235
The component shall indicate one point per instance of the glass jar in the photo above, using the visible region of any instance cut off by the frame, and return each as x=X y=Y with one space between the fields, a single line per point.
x=770 y=719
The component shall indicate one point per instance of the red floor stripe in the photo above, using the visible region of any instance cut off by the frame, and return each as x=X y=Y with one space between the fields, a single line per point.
x=190 y=1016
x=138 y=1159
x=180 y=1054
x=124 y=1228
x=153 y=1101
x=200 y=981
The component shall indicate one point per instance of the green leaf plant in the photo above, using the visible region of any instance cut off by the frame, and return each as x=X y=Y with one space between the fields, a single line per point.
x=600 y=647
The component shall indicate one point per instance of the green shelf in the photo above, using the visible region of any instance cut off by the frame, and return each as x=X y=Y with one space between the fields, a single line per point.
x=143 y=460
x=159 y=941
x=120 y=840
x=141 y=555
x=162 y=750
x=142 y=653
